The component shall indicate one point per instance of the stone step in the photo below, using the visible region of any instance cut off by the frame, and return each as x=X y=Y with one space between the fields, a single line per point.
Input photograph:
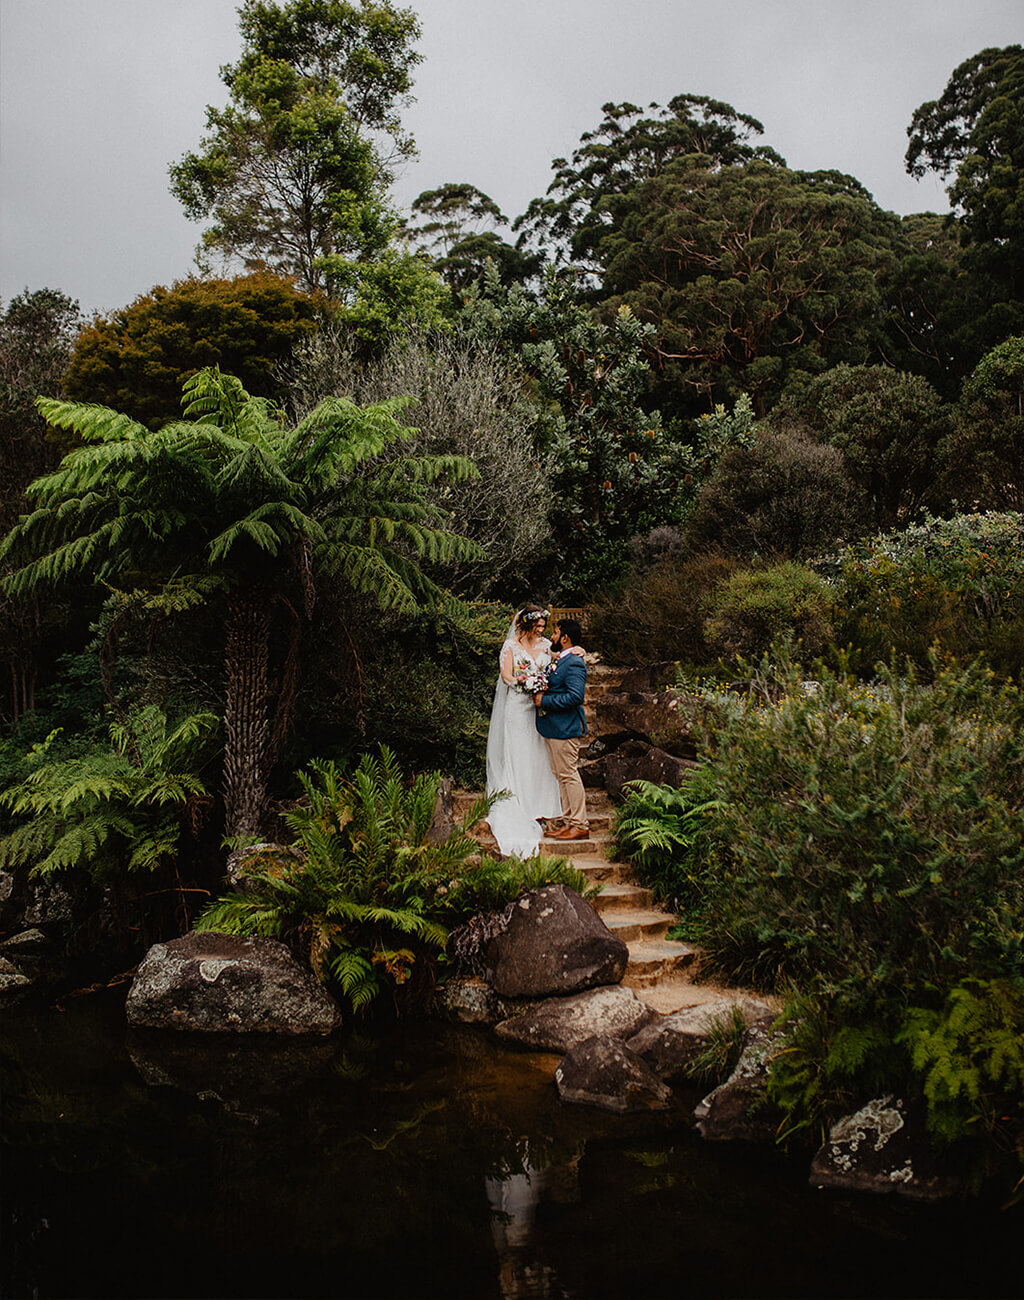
x=596 y=845
x=635 y=925
x=599 y=870
x=618 y=898
x=652 y=960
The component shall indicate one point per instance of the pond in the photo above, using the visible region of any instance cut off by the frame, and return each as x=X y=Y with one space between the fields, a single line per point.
x=426 y=1162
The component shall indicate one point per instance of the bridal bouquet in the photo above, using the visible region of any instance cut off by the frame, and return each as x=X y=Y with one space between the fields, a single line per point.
x=530 y=680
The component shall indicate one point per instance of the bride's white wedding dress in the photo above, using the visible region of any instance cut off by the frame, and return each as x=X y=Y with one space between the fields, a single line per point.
x=517 y=760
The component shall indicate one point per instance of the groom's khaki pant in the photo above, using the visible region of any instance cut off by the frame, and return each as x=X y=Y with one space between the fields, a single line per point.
x=564 y=757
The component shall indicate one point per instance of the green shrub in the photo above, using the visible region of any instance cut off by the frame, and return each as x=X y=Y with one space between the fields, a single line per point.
x=874 y=872
x=755 y=607
x=783 y=494
x=874 y=832
x=656 y=614
x=956 y=583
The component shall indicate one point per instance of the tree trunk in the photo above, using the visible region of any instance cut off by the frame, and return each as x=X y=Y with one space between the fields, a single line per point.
x=245 y=713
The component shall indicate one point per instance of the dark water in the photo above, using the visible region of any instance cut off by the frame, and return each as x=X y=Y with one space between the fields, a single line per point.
x=427 y=1163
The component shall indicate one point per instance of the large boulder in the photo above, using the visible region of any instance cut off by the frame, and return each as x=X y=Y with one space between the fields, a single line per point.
x=602 y=1071
x=651 y=716
x=554 y=944
x=637 y=760
x=738 y=1110
x=219 y=983
x=558 y=1024
x=671 y=1044
x=883 y=1147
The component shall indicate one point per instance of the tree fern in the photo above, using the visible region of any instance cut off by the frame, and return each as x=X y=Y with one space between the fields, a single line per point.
x=360 y=890
x=112 y=807
x=229 y=495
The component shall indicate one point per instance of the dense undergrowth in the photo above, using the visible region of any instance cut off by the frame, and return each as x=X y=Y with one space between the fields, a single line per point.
x=858 y=848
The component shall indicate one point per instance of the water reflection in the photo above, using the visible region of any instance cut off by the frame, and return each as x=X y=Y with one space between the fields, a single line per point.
x=514 y=1200
x=424 y=1163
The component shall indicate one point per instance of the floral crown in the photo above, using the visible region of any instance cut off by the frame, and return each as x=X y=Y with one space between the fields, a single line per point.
x=535 y=616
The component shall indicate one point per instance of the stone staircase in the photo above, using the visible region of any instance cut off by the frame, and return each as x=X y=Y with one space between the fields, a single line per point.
x=660 y=968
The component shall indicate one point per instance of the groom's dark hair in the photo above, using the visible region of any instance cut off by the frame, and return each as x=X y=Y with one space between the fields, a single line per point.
x=572 y=630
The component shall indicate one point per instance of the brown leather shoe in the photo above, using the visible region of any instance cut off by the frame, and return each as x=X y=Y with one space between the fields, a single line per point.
x=572 y=833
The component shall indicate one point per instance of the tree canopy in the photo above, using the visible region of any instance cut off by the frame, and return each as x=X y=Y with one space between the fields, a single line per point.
x=290 y=172
x=138 y=358
x=973 y=136
x=749 y=273
x=626 y=149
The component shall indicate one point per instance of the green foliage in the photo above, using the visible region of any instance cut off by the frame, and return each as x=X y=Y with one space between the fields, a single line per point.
x=37 y=331
x=956 y=583
x=137 y=359
x=723 y=1045
x=755 y=607
x=752 y=275
x=986 y=449
x=973 y=135
x=363 y=888
x=781 y=494
x=836 y=1056
x=890 y=427
x=111 y=808
x=233 y=505
x=969 y=1056
x=626 y=149
x=669 y=837
x=875 y=844
x=348 y=893
x=611 y=468
x=873 y=873
x=468 y=400
x=660 y=606
x=289 y=172
x=454 y=233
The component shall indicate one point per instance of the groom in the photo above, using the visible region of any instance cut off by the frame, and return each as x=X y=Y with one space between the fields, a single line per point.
x=563 y=724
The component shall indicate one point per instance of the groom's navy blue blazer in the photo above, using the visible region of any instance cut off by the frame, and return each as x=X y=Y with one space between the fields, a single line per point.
x=561 y=714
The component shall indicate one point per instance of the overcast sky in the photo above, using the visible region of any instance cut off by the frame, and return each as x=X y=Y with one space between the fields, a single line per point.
x=97 y=97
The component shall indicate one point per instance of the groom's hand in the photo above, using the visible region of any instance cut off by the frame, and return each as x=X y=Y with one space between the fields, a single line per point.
x=538 y=700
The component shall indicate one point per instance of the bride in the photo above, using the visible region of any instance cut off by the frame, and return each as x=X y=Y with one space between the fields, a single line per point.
x=517 y=757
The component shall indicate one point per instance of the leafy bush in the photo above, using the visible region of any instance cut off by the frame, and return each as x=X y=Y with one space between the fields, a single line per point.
x=874 y=833
x=874 y=866
x=363 y=893
x=890 y=426
x=986 y=449
x=782 y=494
x=755 y=607
x=957 y=583
x=657 y=613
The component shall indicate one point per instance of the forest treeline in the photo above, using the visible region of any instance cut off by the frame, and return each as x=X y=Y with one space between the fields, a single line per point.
x=277 y=511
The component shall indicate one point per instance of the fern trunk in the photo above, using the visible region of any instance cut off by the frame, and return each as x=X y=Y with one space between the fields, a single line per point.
x=245 y=714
